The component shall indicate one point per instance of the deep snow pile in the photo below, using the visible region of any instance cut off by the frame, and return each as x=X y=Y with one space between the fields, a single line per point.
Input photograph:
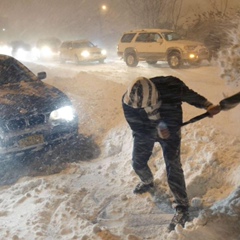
x=93 y=199
x=229 y=58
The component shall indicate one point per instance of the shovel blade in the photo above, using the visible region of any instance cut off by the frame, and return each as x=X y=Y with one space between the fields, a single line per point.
x=230 y=102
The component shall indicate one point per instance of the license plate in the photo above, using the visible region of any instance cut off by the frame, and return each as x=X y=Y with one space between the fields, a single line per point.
x=31 y=140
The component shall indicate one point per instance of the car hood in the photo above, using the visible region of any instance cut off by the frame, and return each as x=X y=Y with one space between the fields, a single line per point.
x=27 y=98
x=187 y=42
x=94 y=49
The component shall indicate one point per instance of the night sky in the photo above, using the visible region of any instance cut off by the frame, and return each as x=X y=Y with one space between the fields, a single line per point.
x=30 y=20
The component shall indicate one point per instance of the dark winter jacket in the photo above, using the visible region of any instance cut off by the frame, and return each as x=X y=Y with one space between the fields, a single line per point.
x=172 y=92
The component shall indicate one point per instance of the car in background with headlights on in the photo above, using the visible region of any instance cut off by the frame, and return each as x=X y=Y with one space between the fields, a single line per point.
x=81 y=51
x=22 y=51
x=153 y=45
x=34 y=114
x=47 y=49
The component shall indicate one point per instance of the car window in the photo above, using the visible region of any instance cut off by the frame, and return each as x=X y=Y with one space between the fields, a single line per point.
x=156 y=37
x=82 y=45
x=14 y=72
x=87 y=44
x=171 y=36
x=65 y=45
x=142 y=37
x=127 y=38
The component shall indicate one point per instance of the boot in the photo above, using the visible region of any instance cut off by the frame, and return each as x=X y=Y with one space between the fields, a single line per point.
x=180 y=217
x=143 y=187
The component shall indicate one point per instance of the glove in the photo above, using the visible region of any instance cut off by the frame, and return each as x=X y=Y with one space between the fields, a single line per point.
x=213 y=110
x=163 y=131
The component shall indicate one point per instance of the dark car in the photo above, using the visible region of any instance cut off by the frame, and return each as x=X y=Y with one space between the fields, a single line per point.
x=21 y=50
x=47 y=48
x=33 y=113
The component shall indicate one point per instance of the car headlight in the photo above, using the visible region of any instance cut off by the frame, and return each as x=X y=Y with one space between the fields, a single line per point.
x=192 y=56
x=64 y=113
x=4 y=49
x=189 y=48
x=46 y=51
x=103 y=52
x=35 y=52
x=85 y=53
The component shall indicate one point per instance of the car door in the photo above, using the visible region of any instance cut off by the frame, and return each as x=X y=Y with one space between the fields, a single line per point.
x=65 y=51
x=149 y=45
x=157 y=45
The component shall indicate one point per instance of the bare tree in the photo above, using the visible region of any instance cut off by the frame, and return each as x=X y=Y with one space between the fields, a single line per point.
x=155 y=13
x=220 y=7
x=147 y=13
x=176 y=9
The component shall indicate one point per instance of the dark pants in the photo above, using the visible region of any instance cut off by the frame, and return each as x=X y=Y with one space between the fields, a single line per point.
x=142 y=150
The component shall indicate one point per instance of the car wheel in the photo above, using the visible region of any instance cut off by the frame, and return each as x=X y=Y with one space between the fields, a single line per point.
x=174 y=60
x=131 y=60
x=151 y=62
x=101 y=61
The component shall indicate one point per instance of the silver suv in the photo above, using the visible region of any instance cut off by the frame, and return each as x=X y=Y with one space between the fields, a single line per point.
x=152 y=45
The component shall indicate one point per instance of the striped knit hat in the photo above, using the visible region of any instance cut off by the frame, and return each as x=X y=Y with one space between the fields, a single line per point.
x=141 y=93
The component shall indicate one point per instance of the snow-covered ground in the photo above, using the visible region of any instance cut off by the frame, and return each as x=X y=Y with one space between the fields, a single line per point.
x=92 y=199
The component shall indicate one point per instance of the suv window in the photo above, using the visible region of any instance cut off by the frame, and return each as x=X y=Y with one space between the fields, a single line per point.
x=142 y=37
x=171 y=36
x=66 y=45
x=148 y=37
x=127 y=38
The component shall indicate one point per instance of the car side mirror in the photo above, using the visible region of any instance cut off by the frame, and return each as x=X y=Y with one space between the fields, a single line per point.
x=42 y=75
x=160 y=40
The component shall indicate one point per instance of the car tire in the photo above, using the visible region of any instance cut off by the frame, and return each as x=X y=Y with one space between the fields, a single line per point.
x=101 y=61
x=131 y=60
x=151 y=62
x=174 y=60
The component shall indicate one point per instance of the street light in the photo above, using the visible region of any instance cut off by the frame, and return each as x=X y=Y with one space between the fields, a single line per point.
x=101 y=13
x=104 y=7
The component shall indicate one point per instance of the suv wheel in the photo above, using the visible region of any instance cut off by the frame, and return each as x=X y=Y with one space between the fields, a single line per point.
x=174 y=60
x=131 y=60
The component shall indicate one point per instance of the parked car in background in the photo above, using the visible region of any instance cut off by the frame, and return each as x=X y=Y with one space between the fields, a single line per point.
x=33 y=113
x=81 y=51
x=47 y=48
x=5 y=48
x=22 y=51
x=152 y=45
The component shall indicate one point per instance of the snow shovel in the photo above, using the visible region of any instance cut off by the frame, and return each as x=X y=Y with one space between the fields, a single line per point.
x=225 y=104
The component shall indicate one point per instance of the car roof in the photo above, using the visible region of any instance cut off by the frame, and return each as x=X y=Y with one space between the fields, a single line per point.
x=80 y=41
x=4 y=57
x=150 y=30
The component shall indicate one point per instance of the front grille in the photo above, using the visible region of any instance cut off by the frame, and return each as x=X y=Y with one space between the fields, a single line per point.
x=17 y=124
x=203 y=51
x=36 y=120
x=23 y=123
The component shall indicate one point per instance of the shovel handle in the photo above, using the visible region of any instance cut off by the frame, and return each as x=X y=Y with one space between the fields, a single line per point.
x=197 y=118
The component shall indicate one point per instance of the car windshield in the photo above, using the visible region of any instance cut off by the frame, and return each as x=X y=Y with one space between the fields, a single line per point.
x=84 y=45
x=171 y=36
x=12 y=71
